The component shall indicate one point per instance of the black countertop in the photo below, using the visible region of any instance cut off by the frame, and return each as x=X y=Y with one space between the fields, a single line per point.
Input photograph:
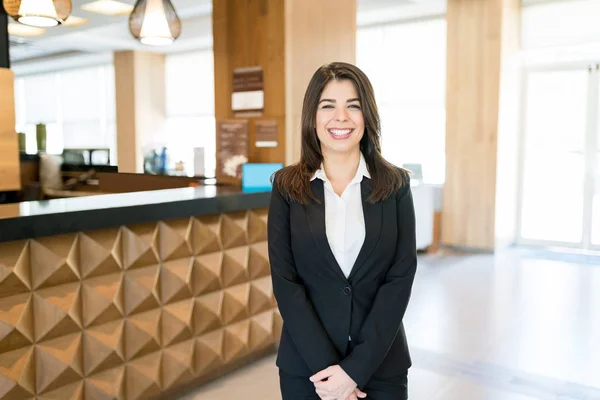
x=54 y=217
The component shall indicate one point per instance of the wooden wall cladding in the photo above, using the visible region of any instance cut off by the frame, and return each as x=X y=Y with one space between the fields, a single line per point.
x=10 y=178
x=130 y=312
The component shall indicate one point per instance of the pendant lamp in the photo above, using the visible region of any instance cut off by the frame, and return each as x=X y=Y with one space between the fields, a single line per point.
x=39 y=13
x=154 y=22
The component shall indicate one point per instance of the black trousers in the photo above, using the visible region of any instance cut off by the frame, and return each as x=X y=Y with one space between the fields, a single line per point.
x=301 y=388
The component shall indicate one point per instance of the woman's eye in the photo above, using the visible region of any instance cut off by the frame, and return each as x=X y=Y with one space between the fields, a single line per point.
x=355 y=106
x=327 y=106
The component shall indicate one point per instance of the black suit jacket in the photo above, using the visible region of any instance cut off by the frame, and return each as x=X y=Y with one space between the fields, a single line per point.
x=321 y=308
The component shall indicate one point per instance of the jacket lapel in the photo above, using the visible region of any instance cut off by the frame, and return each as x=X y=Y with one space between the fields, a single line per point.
x=372 y=214
x=316 y=222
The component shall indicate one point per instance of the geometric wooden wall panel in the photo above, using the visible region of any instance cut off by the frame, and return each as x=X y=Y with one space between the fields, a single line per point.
x=138 y=246
x=235 y=304
x=142 y=334
x=178 y=364
x=234 y=230
x=17 y=373
x=207 y=273
x=99 y=253
x=144 y=376
x=235 y=266
x=140 y=291
x=74 y=391
x=106 y=385
x=101 y=299
x=15 y=277
x=176 y=280
x=177 y=322
x=16 y=322
x=257 y=226
x=204 y=235
x=209 y=352
x=58 y=362
x=103 y=347
x=236 y=340
x=172 y=244
x=53 y=260
x=258 y=261
x=128 y=312
x=57 y=311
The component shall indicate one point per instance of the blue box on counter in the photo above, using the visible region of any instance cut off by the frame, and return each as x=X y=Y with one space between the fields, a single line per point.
x=257 y=177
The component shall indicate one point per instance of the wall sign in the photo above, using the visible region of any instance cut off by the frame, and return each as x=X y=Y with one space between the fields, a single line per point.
x=232 y=145
x=248 y=89
x=266 y=133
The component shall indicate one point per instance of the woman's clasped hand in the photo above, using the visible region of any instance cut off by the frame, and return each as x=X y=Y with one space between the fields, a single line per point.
x=334 y=384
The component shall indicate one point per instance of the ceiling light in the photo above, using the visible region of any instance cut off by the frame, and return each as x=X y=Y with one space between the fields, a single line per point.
x=38 y=13
x=108 y=7
x=154 y=22
x=73 y=21
x=24 y=30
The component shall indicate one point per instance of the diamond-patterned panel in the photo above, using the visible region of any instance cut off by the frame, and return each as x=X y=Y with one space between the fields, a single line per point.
x=103 y=347
x=127 y=312
x=16 y=322
x=207 y=312
x=53 y=260
x=177 y=322
x=204 y=234
x=57 y=311
x=172 y=243
x=178 y=364
x=138 y=246
x=209 y=352
x=58 y=362
x=144 y=376
x=176 y=280
x=101 y=299
x=142 y=334
x=141 y=287
x=14 y=269
x=100 y=252
x=235 y=304
x=258 y=261
x=106 y=385
x=234 y=230
x=236 y=341
x=207 y=273
x=17 y=374
x=235 y=266
x=257 y=225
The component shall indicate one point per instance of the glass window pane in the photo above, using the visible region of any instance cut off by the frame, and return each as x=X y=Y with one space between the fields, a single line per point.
x=555 y=126
x=41 y=98
x=189 y=80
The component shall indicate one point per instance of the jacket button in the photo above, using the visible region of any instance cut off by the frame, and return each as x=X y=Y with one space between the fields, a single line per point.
x=347 y=291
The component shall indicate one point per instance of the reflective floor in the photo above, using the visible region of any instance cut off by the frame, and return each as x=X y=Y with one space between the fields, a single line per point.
x=519 y=325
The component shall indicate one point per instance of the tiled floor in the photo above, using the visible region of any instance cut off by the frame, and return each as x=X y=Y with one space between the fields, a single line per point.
x=512 y=326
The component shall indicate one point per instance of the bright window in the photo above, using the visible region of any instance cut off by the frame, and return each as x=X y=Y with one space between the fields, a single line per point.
x=190 y=109
x=406 y=63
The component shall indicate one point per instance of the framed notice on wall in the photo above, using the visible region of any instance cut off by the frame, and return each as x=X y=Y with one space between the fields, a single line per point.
x=232 y=147
x=266 y=133
x=248 y=89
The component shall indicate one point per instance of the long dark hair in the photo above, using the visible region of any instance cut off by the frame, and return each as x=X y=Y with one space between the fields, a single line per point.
x=294 y=181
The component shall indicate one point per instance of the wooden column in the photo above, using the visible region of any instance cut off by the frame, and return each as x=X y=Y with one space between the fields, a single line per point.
x=140 y=99
x=289 y=40
x=9 y=147
x=477 y=54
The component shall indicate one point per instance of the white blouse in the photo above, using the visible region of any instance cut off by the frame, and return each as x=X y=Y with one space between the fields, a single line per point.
x=344 y=218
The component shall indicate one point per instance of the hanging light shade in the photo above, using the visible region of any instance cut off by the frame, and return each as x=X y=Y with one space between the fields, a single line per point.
x=40 y=13
x=154 y=22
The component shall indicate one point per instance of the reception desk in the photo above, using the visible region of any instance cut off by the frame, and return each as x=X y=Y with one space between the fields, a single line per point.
x=134 y=295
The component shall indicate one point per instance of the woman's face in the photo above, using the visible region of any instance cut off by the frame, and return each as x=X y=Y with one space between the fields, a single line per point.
x=340 y=122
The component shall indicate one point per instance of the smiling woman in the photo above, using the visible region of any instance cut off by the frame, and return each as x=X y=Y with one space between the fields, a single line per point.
x=342 y=272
